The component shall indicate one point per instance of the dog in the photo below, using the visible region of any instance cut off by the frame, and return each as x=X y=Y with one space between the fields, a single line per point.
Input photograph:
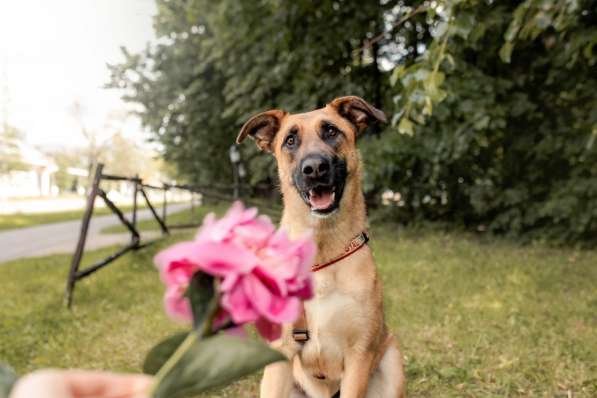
x=341 y=346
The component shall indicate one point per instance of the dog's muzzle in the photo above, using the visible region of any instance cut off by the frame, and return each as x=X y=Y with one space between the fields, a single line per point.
x=319 y=179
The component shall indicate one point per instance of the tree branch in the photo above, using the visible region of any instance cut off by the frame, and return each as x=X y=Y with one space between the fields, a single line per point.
x=368 y=43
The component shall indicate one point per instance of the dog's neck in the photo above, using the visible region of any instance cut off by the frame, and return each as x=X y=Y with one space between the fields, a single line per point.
x=331 y=234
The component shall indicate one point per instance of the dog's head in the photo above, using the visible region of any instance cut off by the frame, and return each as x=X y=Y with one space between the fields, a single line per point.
x=316 y=151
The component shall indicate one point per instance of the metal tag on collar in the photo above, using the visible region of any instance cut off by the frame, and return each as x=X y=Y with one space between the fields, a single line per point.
x=300 y=335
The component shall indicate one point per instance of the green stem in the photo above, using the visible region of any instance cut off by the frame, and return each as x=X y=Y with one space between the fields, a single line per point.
x=172 y=361
x=442 y=48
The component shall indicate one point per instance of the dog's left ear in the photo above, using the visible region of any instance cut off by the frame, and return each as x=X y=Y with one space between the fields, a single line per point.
x=262 y=128
x=360 y=113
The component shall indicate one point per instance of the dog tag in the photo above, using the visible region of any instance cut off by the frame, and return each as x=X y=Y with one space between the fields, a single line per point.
x=300 y=335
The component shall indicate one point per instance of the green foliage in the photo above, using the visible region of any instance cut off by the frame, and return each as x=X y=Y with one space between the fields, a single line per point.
x=217 y=63
x=159 y=354
x=492 y=102
x=204 y=301
x=509 y=146
x=214 y=361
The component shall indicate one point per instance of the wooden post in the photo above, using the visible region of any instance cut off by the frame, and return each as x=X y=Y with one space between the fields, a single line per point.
x=154 y=212
x=165 y=205
x=135 y=234
x=236 y=189
x=192 y=206
x=134 y=218
x=76 y=261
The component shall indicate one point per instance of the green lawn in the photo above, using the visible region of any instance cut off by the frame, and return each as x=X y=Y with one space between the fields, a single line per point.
x=183 y=217
x=178 y=218
x=475 y=318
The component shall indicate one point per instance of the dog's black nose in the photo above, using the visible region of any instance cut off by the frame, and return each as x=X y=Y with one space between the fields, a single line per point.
x=315 y=167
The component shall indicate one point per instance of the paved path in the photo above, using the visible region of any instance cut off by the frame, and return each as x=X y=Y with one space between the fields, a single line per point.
x=62 y=237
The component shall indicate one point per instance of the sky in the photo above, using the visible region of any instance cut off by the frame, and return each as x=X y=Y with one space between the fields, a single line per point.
x=53 y=53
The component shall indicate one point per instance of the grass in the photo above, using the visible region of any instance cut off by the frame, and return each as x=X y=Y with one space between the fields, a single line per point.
x=186 y=216
x=475 y=318
x=22 y=220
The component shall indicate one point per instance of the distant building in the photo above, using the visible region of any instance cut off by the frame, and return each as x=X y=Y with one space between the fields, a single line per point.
x=33 y=179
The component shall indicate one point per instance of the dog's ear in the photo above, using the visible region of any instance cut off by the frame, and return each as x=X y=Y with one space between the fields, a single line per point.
x=262 y=128
x=358 y=111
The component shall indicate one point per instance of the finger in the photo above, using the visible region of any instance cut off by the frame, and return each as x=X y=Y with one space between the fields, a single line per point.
x=105 y=384
x=43 y=383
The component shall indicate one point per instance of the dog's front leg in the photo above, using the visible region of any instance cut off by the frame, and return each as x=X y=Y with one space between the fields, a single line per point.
x=277 y=380
x=357 y=370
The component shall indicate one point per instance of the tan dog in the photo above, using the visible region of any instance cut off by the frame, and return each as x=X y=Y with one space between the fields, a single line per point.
x=349 y=348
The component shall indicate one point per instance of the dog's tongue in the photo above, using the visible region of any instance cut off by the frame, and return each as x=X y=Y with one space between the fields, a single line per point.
x=321 y=200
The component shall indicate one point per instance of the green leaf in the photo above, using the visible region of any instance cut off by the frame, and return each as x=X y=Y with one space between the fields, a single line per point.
x=421 y=74
x=397 y=74
x=215 y=361
x=463 y=25
x=160 y=353
x=405 y=126
x=7 y=380
x=506 y=51
x=204 y=301
x=428 y=108
x=433 y=83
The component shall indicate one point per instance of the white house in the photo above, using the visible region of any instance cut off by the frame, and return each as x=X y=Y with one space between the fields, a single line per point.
x=34 y=180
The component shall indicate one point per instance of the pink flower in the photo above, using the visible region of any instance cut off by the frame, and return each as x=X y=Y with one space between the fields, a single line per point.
x=263 y=274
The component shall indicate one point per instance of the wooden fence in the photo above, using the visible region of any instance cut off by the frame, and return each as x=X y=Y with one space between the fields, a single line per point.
x=213 y=191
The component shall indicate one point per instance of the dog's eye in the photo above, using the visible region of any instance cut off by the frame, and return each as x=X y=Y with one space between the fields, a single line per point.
x=290 y=141
x=330 y=131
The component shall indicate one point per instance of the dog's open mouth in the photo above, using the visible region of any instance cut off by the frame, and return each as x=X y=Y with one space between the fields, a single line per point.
x=323 y=193
x=322 y=198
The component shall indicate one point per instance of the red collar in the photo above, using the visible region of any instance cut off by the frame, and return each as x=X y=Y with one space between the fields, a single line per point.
x=353 y=246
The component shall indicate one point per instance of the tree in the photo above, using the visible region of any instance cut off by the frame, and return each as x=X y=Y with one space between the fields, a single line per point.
x=492 y=102
x=498 y=120
x=217 y=63
x=96 y=145
x=124 y=157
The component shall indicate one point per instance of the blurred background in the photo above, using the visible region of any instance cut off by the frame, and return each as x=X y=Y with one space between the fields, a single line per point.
x=492 y=103
x=482 y=189
x=57 y=121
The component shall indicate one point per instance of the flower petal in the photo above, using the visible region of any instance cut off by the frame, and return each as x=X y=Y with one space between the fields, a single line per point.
x=269 y=330
x=238 y=305
x=178 y=251
x=177 y=306
x=274 y=308
x=221 y=259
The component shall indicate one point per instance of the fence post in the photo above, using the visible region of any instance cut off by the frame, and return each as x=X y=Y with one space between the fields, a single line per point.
x=134 y=218
x=165 y=204
x=235 y=161
x=74 y=267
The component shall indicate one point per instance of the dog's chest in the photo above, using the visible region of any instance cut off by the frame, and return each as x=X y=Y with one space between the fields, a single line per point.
x=336 y=317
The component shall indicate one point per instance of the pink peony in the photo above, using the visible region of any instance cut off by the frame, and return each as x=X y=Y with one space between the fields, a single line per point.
x=264 y=275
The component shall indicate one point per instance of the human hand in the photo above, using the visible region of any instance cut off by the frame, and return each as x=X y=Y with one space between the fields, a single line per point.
x=81 y=384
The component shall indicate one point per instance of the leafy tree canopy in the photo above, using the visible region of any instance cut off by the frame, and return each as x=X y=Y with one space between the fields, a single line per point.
x=492 y=102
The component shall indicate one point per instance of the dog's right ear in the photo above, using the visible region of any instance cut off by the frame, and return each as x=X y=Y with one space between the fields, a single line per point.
x=262 y=128
x=358 y=111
